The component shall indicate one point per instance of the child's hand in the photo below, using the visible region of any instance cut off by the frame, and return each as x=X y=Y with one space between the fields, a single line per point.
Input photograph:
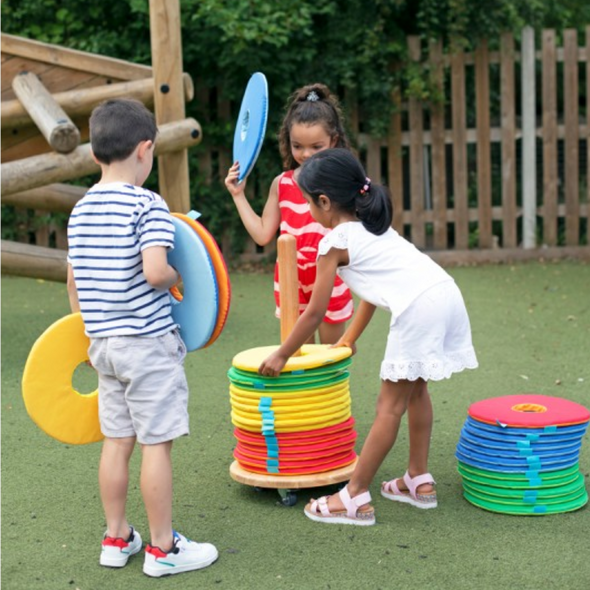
x=271 y=366
x=231 y=181
x=344 y=342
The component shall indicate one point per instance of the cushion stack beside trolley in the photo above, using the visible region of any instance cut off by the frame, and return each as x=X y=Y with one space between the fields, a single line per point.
x=519 y=454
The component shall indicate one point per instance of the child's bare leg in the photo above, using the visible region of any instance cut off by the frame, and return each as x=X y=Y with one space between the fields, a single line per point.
x=420 y=428
x=391 y=405
x=331 y=333
x=113 y=479
x=156 y=489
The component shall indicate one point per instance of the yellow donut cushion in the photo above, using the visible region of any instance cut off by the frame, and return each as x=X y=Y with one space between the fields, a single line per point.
x=49 y=395
x=312 y=355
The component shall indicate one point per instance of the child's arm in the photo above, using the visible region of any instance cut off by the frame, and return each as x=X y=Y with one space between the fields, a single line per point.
x=158 y=273
x=313 y=315
x=262 y=229
x=357 y=326
x=72 y=291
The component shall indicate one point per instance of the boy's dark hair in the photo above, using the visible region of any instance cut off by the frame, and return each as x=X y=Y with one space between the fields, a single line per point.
x=117 y=126
x=311 y=105
x=338 y=174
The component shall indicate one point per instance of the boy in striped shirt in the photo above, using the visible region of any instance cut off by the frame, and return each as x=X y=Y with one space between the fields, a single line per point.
x=118 y=278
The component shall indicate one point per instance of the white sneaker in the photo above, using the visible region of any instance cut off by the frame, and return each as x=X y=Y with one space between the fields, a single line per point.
x=185 y=556
x=116 y=551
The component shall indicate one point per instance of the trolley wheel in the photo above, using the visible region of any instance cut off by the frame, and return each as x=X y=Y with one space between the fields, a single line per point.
x=288 y=497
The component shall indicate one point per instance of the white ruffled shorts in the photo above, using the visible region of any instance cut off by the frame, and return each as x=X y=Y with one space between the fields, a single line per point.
x=431 y=339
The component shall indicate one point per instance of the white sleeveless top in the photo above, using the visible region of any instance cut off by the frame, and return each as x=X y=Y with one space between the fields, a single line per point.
x=386 y=270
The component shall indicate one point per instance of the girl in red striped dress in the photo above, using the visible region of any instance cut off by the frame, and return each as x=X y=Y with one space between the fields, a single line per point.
x=312 y=123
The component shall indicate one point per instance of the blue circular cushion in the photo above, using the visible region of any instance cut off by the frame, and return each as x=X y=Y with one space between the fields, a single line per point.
x=196 y=313
x=251 y=124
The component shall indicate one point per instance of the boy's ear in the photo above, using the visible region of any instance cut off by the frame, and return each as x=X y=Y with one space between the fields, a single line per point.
x=94 y=157
x=143 y=147
x=334 y=141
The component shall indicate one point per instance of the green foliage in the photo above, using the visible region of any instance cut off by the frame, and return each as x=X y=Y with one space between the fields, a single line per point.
x=357 y=48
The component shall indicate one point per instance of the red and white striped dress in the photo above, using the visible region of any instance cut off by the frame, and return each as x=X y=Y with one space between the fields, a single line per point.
x=297 y=221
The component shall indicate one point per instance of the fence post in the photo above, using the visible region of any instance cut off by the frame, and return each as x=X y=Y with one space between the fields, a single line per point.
x=529 y=175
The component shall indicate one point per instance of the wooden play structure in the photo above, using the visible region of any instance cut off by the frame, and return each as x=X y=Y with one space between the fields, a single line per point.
x=48 y=93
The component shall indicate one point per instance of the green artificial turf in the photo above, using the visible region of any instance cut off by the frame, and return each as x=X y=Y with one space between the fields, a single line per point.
x=531 y=329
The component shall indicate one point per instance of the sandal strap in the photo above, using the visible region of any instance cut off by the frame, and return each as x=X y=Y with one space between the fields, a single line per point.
x=413 y=483
x=353 y=504
x=322 y=504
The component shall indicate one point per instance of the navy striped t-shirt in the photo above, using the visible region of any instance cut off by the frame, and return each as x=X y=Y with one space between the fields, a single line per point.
x=107 y=231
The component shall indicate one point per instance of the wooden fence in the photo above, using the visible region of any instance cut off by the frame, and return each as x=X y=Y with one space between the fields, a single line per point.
x=500 y=165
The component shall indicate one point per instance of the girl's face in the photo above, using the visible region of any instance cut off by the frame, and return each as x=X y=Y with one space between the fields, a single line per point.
x=306 y=140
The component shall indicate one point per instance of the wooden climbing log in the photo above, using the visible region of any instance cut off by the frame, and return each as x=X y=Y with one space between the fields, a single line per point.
x=53 y=197
x=81 y=102
x=25 y=260
x=53 y=122
x=36 y=171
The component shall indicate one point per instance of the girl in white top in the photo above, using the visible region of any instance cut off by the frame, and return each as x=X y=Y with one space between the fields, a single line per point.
x=429 y=337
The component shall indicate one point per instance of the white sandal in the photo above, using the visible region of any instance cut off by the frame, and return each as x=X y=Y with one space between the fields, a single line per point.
x=353 y=514
x=391 y=491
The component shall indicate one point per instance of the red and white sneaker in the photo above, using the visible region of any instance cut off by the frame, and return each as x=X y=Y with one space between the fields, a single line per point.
x=185 y=556
x=117 y=551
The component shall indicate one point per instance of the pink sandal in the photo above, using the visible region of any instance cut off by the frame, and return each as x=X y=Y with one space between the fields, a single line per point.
x=390 y=490
x=318 y=510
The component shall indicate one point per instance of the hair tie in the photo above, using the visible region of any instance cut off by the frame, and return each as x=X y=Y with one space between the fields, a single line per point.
x=366 y=186
x=312 y=96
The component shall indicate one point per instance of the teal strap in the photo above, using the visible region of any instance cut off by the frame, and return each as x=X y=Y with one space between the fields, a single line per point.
x=532 y=474
x=552 y=428
x=530 y=496
x=532 y=436
x=534 y=460
x=522 y=444
x=194 y=215
x=540 y=509
x=264 y=404
x=525 y=452
x=272 y=466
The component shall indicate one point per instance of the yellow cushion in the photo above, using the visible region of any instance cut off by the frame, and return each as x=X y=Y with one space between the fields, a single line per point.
x=49 y=396
x=312 y=355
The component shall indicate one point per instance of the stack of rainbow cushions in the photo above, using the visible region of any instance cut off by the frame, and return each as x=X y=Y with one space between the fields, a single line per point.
x=519 y=454
x=299 y=423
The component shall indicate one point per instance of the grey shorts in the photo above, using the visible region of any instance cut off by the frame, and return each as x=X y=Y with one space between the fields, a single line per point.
x=142 y=388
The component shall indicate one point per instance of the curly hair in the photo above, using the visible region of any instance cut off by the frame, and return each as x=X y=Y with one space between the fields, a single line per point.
x=310 y=105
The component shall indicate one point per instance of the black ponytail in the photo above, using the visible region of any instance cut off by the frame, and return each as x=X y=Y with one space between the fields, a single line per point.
x=338 y=174
x=374 y=209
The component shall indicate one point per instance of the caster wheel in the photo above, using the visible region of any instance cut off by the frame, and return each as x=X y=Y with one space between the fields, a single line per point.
x=288 y=498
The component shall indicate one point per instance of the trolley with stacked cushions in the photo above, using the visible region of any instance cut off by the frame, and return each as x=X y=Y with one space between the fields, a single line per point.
x=296 y=430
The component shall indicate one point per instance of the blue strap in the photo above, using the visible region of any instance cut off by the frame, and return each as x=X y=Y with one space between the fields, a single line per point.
x=264 y=404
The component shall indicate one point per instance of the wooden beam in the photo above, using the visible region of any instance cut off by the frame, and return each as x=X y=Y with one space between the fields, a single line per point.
x=72 y=58
x=26 y=260
x=36 y=171
x=53 y=122
x=81 y=102
x=166 y=46
x=53 y=197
